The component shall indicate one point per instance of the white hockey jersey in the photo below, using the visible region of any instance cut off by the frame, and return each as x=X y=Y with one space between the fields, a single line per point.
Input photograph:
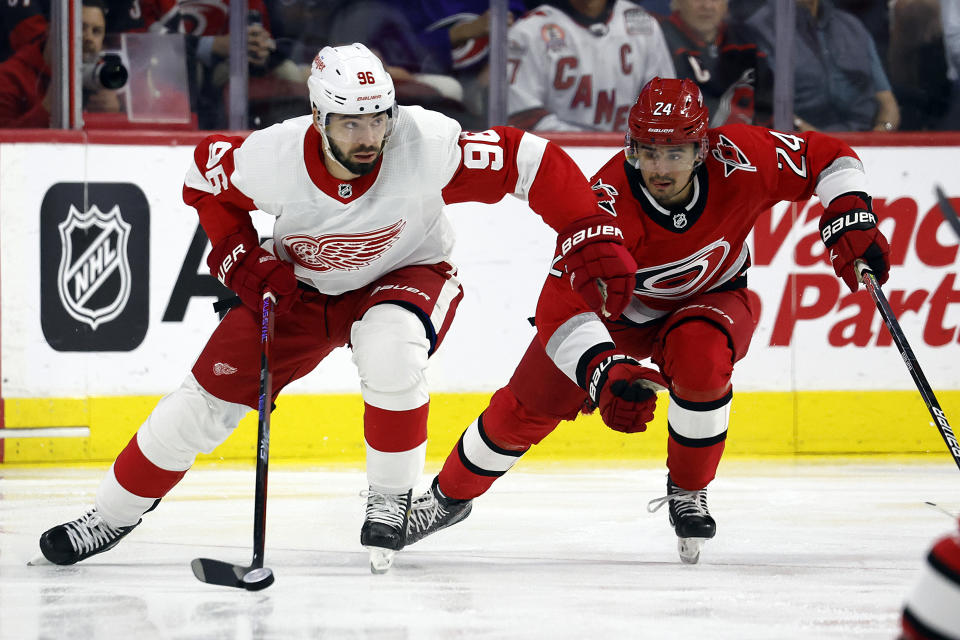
x=566 y=76
x=341 y=235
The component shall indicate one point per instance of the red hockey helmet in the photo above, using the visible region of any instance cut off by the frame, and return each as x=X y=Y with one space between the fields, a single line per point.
x=669 y=111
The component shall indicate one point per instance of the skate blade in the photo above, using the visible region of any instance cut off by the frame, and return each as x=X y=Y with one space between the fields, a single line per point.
x=39 y=560
x=689 y=549
x=380 y=559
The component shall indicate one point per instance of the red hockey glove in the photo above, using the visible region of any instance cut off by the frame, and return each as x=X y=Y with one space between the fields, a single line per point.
x=241 y=264
x=600 y=268
x=849 y=231
x=625 y=392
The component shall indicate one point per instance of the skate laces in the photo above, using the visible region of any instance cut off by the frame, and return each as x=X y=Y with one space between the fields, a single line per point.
x=386 y=508
x=425 y=511
x=90 y=532
x=685 y=502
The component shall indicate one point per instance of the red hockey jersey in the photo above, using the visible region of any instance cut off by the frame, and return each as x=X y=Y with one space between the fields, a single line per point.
x=701 y=246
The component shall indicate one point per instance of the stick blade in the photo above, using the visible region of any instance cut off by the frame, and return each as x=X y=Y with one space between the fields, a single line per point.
x=218 y=572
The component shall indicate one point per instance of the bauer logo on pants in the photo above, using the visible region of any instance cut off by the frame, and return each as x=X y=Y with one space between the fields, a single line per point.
x=94 y=266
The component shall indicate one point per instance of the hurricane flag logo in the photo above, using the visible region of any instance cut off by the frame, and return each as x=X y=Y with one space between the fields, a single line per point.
x=94 y=278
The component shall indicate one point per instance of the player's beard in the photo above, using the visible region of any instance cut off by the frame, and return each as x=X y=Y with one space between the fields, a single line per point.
x=357 y=168
x=667 y=197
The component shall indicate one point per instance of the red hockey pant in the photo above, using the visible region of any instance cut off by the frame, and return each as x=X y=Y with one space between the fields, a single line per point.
x=695 y=348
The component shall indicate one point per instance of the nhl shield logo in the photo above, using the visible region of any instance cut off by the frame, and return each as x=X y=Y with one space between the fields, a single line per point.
x=94 y=278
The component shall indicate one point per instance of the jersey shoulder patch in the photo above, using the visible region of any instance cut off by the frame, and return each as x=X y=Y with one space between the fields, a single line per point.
x=725 y=151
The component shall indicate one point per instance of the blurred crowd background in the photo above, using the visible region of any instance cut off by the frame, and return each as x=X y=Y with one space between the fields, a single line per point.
x=567 y=65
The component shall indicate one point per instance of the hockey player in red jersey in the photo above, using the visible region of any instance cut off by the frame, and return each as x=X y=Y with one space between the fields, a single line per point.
x=685 y=197
x=359 y=256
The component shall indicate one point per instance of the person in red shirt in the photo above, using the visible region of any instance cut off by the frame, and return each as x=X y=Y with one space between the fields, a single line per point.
x=686 y=197
x=25 y=76
x=24 y=84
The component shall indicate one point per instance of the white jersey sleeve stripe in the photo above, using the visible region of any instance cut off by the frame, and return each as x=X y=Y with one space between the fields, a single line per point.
x=529 y=154
x=843 y=175
x=572 y=339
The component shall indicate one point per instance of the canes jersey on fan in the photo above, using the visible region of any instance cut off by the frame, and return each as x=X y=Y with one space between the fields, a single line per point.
x=341 y=235
x=734 y=76
x=701 y=247
x=197 y=17
x=573 y=76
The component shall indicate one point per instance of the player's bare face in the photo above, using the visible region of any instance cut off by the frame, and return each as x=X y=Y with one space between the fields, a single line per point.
x=357 y=141
x=666 y=171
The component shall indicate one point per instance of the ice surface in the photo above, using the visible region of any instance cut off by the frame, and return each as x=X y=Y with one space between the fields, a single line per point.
x=803 y=550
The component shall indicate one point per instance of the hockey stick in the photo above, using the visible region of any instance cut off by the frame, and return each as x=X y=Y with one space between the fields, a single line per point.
x=939 y=418
x=949 y=213
x=256 y=576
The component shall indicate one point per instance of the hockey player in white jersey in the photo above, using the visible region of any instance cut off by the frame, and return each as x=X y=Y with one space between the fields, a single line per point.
x=579 y=66
x=359 y=256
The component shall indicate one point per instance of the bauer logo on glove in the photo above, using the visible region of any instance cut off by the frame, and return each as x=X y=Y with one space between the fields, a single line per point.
x=601 y=269
x=848 y=229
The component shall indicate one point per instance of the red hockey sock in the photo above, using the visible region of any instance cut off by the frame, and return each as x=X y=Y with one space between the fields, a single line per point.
x=693 y=468
x=139 y=476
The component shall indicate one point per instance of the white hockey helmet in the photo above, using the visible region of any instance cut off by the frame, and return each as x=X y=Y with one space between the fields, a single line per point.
x=350 y=80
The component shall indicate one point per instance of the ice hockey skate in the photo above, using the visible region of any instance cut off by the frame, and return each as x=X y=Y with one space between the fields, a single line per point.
x=383 y=531
x=690 y=518
x=434 y=511
x=79 y=539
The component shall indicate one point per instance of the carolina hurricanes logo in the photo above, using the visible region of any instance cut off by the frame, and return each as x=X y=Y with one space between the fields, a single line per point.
x=608 y=190
x=731 y=156
x=680 y=279
x=342 y=252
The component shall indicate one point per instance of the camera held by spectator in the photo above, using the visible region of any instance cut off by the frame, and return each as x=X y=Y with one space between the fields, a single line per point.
x=107 y=71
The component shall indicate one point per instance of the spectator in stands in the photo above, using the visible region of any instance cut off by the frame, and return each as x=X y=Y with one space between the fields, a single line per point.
x=21 y=23
x=918 y=64
x=839 y=82
x=578 y=65
x=458 y=32
x=128 y=15
x=94 y=28
x=25 y=76
x=207 y=26
x=413 y=41
x=732 y=73
x=875 y=17
x=24 y=86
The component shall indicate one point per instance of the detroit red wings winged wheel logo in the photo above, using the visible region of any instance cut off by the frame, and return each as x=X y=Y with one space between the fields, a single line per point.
x=342 y=251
